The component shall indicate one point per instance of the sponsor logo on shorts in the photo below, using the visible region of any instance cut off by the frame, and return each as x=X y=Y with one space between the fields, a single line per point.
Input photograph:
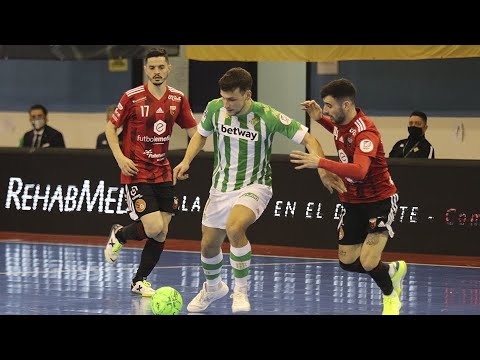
x=175 y=203
x=140 y=205
x=372 y=223
x=341 y=234
x=252 y=195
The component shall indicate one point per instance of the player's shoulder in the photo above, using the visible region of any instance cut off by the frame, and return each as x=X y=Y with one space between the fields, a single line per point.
x=214 y=105
x=363 y=123
x=175 y=92
x=135 y=91
x=264 y=111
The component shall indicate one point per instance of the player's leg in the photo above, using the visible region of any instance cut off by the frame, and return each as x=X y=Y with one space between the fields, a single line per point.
x=212 y=262
x=351 y=234
x=156 y=229
x=381 y=215
x=214 y=218
x=155 y=223
x=249 y=206
x=137 y=197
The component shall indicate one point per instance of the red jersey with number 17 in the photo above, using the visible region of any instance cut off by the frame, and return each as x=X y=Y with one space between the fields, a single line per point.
x=147 y=128
x=360 y=136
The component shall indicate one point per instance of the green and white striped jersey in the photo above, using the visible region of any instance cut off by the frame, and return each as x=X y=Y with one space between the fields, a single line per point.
x=243 y=144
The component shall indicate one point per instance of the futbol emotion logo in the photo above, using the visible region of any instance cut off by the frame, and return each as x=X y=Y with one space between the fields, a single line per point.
x=159 y=127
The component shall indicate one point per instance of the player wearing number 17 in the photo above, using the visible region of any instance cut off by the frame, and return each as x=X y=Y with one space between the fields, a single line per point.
x=243 y=131
x=147 y=114
x=370 y=203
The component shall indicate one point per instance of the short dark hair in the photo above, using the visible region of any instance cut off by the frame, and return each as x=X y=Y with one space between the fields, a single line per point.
x=38 y=107
x=339 y=89
x=236 y=77
x=157 y=52
x=419 y=114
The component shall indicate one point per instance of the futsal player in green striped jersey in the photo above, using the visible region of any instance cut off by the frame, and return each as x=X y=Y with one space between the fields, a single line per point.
x=243 y=131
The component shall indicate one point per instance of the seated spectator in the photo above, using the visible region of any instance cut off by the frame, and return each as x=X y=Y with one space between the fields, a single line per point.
x=42 y=135
x=102 y=142
x=416 y=145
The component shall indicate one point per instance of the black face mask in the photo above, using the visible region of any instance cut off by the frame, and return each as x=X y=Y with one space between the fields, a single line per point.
x=415 y=132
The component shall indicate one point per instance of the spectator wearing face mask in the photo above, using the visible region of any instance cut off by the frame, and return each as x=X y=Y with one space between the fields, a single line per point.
x=416 y=145
x=41 y=135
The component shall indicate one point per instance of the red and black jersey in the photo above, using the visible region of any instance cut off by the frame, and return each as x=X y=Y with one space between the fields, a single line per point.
x=147 y=128
x=360 y=136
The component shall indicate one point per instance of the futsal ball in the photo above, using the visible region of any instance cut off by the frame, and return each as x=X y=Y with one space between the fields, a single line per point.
x=166 y=301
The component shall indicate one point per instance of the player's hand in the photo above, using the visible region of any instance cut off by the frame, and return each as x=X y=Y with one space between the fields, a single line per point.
x=305 y=160
x=127 y=166
x=332 y=182
x=180 y=172
x=313 y=109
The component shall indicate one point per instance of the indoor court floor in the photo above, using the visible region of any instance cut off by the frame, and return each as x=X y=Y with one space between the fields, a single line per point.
x=66 y=279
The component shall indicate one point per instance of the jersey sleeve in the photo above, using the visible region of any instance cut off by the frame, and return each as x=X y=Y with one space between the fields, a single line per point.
x=326 y=123
x=121 y=111
x=205 y=127
x=281 y=123
x=186 y=120
x=367 y=144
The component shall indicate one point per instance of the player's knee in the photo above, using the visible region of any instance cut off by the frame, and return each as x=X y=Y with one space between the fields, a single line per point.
x=160 y=237
x=369 y=262
x=155 y=231
x=235 y=231
x=210 y=249
x=356 y=266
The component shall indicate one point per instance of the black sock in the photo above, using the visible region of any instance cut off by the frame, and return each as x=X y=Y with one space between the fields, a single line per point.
x=150 y=256
x=382 y=278
x=134 y=231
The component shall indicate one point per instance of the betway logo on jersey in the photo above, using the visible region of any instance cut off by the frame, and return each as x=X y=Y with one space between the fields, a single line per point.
x=238 y=133
x=154 y=139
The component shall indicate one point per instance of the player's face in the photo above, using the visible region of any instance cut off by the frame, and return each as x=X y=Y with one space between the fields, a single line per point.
x=157 y=70
x=234 y=101
x=334 y=109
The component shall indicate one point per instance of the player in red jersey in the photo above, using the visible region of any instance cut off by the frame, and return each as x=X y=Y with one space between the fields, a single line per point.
x=147 y=114
x=370 y=203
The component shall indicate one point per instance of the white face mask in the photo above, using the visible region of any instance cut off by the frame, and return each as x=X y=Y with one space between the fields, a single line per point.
x=38 y=124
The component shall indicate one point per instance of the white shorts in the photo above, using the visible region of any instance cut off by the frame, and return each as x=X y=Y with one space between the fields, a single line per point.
x=219 y=204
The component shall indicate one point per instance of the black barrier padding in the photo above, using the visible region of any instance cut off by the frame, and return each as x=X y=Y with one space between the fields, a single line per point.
x=438 y=207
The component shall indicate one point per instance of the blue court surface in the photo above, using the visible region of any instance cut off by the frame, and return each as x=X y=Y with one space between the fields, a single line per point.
x=59 y=279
